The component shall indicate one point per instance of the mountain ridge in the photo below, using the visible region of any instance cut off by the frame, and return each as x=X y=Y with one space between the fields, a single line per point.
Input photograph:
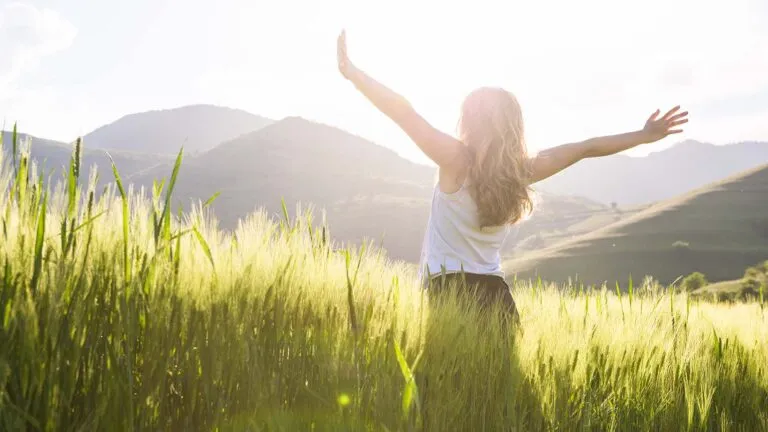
x=158 y=131
x=659 y=175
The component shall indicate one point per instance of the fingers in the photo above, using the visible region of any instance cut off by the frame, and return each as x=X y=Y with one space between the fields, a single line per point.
x=670 y=112
x=678 y=116
x=677 y=123
x=653 y=116
x=674 y=131
x=341 y=48
x=341 y=42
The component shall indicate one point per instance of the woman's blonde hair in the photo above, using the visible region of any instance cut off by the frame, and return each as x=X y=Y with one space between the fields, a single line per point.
x=491 y=127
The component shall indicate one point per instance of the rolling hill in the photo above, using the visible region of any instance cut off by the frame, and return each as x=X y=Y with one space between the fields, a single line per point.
x=140 y=141
x=719 y=230
x=659 y=176
x=367 y=191
x=197 y=127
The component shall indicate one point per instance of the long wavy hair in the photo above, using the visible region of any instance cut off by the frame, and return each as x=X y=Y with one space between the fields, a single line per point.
x=491 y=127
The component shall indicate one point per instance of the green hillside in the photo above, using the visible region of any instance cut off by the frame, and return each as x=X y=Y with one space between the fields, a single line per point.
x=718 y=230
x=753 y=286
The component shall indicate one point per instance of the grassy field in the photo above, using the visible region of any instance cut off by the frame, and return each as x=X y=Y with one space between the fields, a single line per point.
x=118 y=315
x=718 y=230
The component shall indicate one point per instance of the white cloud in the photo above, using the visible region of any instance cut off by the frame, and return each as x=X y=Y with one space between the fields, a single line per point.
x=27 y=34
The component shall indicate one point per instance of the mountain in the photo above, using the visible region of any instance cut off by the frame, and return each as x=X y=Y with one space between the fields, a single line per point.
x=54 y=157
x=718 y=230
x=197 y=127
x=661 y=175
x=367 y=191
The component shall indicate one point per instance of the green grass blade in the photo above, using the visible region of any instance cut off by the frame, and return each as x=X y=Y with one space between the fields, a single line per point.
x=409 y=382
x=73 y=178
x=165 y=216
x=63 y=236
x=404 y=368
x=22 y=180
x=15 y=148
x=210 y=200
x=39 y=242
x=350 y=295
x=206 y=248
x=176 y=256
x=124 y=199
x=285 y=211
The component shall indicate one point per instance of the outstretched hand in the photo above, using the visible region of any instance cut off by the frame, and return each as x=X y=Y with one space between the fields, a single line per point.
x=657 y=128
x=345 y=66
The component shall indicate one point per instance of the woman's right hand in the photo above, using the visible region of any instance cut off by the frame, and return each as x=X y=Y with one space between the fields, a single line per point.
x=345 y=66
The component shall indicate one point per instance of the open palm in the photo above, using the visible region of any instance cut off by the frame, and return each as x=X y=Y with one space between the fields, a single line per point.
x=345 y=66
x=658 y=128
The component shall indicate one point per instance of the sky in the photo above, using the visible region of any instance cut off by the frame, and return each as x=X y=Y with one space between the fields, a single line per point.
x=580 y=68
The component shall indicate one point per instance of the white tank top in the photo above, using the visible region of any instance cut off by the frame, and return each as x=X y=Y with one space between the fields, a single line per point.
x=454 y=241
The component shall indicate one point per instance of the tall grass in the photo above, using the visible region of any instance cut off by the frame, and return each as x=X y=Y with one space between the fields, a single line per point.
x=118 y=315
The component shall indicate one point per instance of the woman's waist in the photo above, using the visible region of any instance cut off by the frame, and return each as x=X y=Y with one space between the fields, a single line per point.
x=438 y=262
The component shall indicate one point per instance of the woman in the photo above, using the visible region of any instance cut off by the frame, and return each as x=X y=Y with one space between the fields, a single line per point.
x=485 y=176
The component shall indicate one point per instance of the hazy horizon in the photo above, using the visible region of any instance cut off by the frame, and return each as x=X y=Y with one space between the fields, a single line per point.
x=407 y=155
x=73 y=67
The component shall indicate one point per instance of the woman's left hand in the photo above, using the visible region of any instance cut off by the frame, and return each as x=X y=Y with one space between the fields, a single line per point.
x=658 y=128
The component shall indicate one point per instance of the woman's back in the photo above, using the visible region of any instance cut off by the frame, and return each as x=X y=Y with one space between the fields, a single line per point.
x=454 y=241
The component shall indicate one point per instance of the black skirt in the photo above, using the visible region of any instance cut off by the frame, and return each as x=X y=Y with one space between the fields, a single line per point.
x=484 y=288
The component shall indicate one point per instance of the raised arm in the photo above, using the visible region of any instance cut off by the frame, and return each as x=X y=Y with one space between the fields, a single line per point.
x=443 y=149
x=551 y=161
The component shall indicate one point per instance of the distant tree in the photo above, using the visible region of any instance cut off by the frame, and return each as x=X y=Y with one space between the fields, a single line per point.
x=750 y=284
x=756 y=276
x=694 y=281
x=752 y=273
x=763 y=267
